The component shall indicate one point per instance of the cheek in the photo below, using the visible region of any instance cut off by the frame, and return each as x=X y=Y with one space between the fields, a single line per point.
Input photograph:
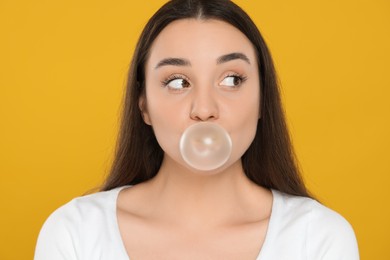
x=167 y=121
x=165 y=112
x=244 y=124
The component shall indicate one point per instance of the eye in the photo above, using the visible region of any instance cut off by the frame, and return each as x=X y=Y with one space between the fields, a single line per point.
x=176 y=83
x=232 y=81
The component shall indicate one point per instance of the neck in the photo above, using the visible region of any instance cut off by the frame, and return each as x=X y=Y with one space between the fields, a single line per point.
x=200 y=199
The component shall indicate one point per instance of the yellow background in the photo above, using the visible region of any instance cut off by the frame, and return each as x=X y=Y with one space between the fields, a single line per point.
x=62 y=73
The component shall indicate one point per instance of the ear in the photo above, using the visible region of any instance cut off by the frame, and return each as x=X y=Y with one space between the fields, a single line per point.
x=144 y=111
x=260 y=105
x=259 y=117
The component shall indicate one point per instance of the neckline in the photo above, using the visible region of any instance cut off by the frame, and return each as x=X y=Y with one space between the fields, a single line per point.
x=264 y=247
x=271 y=225
x=114 y=209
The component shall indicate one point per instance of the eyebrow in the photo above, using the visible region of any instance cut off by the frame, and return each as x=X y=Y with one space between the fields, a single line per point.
x=233 y=56
x=183 y=62
x=173 y=62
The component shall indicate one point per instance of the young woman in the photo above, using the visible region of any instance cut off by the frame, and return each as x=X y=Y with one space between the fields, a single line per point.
x=200 y=61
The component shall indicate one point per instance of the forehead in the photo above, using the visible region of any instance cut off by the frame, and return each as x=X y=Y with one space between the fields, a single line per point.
x=198 y=39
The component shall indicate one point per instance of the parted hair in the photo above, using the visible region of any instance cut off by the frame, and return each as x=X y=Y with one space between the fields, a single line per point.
x=270 y=160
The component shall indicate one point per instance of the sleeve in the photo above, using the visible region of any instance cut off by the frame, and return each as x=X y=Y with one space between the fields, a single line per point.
x=58 y=237
x=331 y=236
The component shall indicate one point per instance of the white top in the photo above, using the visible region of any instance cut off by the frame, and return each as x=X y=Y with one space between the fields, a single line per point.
x=300 y=228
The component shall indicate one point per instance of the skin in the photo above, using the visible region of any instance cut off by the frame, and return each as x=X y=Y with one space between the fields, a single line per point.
x=183 y=213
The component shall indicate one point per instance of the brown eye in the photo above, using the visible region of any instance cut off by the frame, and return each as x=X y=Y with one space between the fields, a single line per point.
x=178 y=84
x=232 y=81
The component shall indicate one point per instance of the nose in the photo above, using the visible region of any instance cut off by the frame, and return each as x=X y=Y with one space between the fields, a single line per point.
x=204 y=106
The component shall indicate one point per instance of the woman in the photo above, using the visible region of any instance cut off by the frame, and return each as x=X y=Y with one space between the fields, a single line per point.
x=200 y=61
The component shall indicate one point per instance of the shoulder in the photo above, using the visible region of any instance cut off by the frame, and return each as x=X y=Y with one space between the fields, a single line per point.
x=332 y=236
x=64 y=232
x=327 y=234
x=87 y=207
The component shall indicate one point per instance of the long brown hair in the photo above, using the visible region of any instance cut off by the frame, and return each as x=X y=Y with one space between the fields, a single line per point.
x=269 y=161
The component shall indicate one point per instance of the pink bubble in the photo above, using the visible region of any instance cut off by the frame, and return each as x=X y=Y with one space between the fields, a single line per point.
x=205 y=146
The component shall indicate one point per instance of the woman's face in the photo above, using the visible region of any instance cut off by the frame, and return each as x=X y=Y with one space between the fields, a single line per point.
x=201 y=70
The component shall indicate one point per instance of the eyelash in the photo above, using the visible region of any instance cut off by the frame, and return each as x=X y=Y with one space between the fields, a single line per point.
x=240 y=77
x=171 y=78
